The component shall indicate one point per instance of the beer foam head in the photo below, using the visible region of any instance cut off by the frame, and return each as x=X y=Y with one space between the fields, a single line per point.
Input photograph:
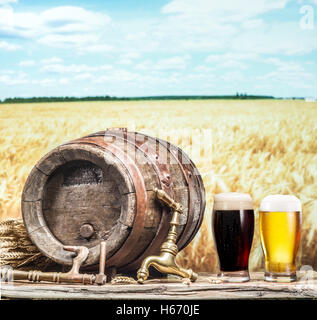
x=280 y=203
x=233 y=201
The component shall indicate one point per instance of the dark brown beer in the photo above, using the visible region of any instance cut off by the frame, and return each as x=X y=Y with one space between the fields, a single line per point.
x=233 y=233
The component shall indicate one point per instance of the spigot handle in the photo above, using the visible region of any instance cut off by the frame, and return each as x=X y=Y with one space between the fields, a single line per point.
x=82 y=254
x=165 y=198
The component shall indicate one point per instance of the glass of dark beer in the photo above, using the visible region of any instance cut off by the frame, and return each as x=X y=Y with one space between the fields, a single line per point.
x=233 y=228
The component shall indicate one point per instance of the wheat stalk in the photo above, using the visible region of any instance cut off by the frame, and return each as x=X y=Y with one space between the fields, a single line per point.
x=16 y=249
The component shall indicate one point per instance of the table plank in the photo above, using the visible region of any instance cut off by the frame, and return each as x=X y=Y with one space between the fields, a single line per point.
x=171 y=288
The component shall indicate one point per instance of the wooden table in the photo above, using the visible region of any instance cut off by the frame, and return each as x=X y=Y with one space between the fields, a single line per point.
x=171 y=288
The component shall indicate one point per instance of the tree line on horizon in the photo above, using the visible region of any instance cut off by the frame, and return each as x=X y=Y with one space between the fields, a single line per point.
x=112 y=98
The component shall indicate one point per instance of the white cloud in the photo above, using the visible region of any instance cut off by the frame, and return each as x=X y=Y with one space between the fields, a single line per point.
x=6 y=18
x=128 y=58
x=52 y=60
x=145 y=65
x=73 y=19
x=234 y=10
x=105 y=67
x=7 y=72
x=214 y=58
x=173 y=63
x=125 y=76
x=3 y=2
x=64 y=26
x=253 y=23
x=81 y=42
x=131 y=55
x=234 y=60
x=96 y=48
x=136 y=36
x=121 y=75
x=183 y=33
x=9 y=46
x=64 y=81
x=167 y=64
x=186 y=26
x=14 y=79
x=21 y=24
x=68 y=40
x=282 y=38
x=125 y=62
x=27 y=63
x=233 y=76
x=45 y=82
x=288 y=66
x=60 y=68
x=73 y=68
x=204 y=25
x=288 y=73
x=204 y=69
x=83 y=76
x=101 y=79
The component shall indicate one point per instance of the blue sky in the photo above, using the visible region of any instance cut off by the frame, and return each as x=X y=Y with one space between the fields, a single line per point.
x=172 y=47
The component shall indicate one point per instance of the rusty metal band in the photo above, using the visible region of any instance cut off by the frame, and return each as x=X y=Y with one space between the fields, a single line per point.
x=166 y=184
x=202 y=205
x=182 y=241
x=189 y=168
x=141 y=196
x=201 y=195
x=160 y=168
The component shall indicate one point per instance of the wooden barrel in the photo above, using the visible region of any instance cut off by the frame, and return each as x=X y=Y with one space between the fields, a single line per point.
x=102 y=187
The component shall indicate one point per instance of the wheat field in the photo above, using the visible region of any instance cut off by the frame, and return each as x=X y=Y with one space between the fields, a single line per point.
x=260 y=147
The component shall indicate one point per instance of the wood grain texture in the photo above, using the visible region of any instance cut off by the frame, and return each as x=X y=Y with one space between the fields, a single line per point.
x=170 y=288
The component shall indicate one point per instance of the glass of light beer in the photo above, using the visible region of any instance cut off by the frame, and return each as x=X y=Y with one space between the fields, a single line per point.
x=280 y=231
x=233 y=228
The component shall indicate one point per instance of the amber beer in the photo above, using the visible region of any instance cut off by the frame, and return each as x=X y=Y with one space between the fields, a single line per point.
x=233 y=227
x=280 y=230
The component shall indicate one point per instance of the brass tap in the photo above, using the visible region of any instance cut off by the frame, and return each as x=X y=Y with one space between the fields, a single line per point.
x=165 y=262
